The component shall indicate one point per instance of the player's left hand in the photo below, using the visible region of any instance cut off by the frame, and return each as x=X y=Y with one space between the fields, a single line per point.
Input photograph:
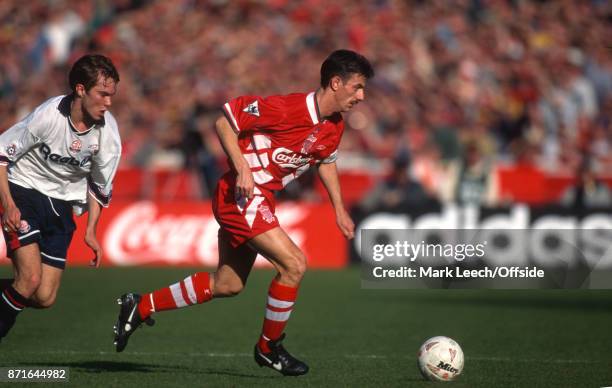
x=345 y=223
x=92 y=242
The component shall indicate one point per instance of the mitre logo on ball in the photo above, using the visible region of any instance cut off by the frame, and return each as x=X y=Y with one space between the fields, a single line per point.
x=440 y=359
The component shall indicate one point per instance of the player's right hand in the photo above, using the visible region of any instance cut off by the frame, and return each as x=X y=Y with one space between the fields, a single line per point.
x=92 y=242
x=245 y=185
x=11 y=219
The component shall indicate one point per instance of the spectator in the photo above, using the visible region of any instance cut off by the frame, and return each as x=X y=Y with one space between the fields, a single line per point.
x=518 y=69
x=472 y=180
x=587 y=192
x=399 y=190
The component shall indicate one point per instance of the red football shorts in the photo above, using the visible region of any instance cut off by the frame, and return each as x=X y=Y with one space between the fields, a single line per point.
x=241 y=218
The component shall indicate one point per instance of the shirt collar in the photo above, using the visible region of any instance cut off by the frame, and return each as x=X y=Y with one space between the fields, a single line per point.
x=313 y=108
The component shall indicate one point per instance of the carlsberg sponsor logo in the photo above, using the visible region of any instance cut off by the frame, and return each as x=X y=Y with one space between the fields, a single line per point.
x=289 y=159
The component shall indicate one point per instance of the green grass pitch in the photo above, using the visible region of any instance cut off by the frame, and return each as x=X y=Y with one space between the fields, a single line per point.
x=349 y=336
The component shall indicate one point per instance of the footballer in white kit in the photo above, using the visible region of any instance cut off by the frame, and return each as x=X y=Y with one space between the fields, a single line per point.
x=59 y=159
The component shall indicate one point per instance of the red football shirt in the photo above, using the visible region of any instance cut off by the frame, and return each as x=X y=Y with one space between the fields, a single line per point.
x=282 y=136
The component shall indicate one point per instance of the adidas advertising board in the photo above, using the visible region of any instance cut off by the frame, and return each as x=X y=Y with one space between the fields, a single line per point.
x=467 y=247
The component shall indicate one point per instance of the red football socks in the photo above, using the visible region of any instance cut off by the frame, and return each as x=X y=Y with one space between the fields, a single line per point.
x=194 y=289
x=278 y=309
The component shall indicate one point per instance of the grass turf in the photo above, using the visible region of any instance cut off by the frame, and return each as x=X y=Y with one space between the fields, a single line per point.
x=349 y=336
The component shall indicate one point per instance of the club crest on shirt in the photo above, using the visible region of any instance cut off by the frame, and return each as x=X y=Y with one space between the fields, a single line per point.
x=76 y=146
x=10 y=149
x=309 y=142
x=266 y=214
x=252 y=109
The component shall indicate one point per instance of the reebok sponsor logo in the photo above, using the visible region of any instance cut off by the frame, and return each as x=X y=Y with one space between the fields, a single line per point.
x=289 y=159
x=45 y=150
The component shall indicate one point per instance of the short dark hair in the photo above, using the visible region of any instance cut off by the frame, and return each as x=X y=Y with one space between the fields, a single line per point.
x=343 y=63
x=88 y=68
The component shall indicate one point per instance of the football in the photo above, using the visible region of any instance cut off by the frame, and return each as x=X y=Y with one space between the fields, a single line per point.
x=440 y=359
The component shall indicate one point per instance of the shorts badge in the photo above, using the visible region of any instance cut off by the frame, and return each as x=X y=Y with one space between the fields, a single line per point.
x=266 y=214
x=24 y=227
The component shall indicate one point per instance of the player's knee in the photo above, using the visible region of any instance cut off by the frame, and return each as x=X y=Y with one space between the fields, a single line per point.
x=28 y=284
x=227 y=289
x=296 y=267
x=45 y=299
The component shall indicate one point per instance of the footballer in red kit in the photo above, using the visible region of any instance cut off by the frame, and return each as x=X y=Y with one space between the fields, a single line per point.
x=269 y=141
x=280 y=137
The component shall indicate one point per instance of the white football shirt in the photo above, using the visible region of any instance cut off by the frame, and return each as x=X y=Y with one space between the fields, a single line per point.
x=46 y=153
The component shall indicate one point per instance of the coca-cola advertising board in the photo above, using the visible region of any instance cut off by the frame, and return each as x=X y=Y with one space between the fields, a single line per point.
x=185 y=234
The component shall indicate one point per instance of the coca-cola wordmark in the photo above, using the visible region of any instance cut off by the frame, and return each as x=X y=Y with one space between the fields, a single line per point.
x=185 y=234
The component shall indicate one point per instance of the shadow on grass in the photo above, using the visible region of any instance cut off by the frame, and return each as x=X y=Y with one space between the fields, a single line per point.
x=226 y=372
x=534 y=301
x=579 y=300
x=105 y=366
x=122 y=367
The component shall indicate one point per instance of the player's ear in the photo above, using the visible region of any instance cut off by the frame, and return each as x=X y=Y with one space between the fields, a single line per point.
x=80 y=90
x=335 y=82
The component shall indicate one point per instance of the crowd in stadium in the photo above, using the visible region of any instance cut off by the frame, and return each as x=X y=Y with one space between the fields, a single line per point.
x=460 y=86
